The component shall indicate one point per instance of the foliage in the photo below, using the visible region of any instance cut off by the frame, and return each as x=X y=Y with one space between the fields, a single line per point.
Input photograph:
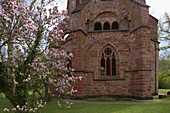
x=164 y=71
x=28 y=59
x=164 y=90
x=164 y=83
x=164 y=30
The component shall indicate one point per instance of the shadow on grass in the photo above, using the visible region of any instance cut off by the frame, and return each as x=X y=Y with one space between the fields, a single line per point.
x=113 y=100
x=4 y=103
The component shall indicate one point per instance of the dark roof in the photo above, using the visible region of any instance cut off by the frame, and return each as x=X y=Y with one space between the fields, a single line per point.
x=80 y=6
x=141 y=4
x=154 y=18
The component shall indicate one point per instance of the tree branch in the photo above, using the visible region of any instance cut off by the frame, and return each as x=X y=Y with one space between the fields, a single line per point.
x=32 y=3
x=4 y=44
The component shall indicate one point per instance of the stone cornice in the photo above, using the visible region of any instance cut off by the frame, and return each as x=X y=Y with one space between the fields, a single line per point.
x=116 y=30
x=76 y=31
x=143 y=5
x=83 y=71
x=146 y=26
x=155 y=40
x=136 y=70
x=66 y=41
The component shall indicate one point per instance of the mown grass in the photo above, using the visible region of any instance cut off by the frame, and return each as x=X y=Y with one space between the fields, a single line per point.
x=164 y=90
x=4 y=103
x=97 y=108
x=166 y=99
x=106 y=108
x=110 y=108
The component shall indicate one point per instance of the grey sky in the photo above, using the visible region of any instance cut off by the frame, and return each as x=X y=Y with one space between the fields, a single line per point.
x=158 y=7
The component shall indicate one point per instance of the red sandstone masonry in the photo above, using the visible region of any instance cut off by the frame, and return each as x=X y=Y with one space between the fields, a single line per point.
x=134 y=50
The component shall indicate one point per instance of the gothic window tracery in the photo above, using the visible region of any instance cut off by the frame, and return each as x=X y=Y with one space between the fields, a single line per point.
x=108 y=62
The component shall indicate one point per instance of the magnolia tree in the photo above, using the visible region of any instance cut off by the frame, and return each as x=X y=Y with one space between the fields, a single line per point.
x=29 y=63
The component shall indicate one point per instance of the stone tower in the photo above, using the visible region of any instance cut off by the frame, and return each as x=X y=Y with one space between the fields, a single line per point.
x=115 y=48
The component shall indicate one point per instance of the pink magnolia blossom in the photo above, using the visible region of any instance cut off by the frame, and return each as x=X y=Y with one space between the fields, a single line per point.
x=18 y=106
x=16 y=83
x=45 y=103
x=15 y=11
x=8 y=19
x=6 y=109
x=30 y=110
x=14 y=109
x=49 y=62
x=68 y=107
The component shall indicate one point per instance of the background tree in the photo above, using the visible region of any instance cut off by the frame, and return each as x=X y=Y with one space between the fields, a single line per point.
x=164 y=71
x=164 y=30
x=28 y=62
x=164 y=61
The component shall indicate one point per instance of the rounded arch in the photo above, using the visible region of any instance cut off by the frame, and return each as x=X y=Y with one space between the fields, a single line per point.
x=105 y=14
x=106 y=26
x=115 y=25
x=98 y=26
x=108 y=59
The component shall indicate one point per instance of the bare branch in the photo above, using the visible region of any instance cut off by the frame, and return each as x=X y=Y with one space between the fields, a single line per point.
x=32 y=4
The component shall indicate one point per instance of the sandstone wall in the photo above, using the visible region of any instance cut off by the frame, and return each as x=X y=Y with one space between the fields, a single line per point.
x=135 y=46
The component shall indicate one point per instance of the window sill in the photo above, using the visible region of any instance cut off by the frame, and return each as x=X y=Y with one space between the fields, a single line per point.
x=109 y=78
x=108 y=30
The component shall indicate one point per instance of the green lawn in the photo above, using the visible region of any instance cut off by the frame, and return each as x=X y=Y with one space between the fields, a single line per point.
x=110 y=108
x=164 y=90
x=166 y=99
x=98 y=108
x=4 y=103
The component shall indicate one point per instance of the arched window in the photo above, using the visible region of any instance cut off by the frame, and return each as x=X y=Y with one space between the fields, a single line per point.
x=69 y=64
x=115 y=25
x=106 y=26
x=97 y=26
x=108 y=62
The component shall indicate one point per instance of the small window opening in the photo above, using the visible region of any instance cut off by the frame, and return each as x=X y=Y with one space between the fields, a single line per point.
x=115 y=25
x=98 y=26
x=106 y=26
x=69 y=64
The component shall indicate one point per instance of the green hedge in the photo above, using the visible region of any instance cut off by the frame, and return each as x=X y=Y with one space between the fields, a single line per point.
x=164 y=82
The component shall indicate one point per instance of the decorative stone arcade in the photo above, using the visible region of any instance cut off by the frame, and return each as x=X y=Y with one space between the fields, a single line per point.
x=115 y=48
